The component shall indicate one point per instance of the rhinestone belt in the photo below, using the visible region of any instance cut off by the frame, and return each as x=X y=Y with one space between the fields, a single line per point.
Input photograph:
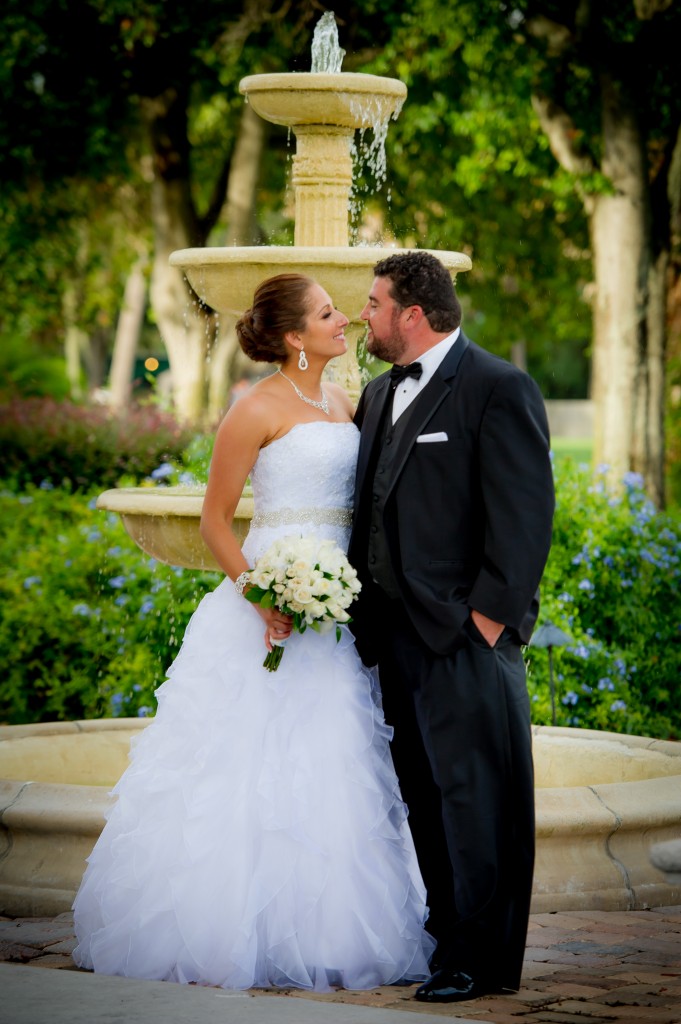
x=318 y=516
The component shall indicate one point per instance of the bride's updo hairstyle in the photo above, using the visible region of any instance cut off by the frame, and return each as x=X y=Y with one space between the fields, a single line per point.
x=280 y=304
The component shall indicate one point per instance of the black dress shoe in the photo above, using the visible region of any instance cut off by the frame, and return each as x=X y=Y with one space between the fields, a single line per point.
x=449 y=986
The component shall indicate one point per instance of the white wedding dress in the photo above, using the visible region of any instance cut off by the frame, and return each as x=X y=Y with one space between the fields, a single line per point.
x=258 y=837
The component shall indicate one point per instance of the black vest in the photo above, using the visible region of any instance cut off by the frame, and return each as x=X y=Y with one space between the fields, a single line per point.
x=379 y=561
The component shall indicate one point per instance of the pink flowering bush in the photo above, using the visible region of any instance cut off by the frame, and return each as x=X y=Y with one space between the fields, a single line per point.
x=59 y=444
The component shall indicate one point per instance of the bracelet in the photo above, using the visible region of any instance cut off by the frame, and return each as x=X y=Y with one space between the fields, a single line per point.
x=241 y=582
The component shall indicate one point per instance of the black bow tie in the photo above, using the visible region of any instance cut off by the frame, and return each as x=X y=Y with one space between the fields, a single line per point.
x=398 y=373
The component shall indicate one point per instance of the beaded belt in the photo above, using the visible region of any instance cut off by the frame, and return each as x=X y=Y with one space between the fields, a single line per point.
x=318 y=516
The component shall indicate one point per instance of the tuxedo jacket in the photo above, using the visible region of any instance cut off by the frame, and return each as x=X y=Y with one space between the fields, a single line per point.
x=470 y=504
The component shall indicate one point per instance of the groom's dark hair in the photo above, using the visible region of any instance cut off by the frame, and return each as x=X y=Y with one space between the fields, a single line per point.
x=419 y=279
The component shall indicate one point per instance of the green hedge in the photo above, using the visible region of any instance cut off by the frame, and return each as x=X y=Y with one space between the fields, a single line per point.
x=89 y=624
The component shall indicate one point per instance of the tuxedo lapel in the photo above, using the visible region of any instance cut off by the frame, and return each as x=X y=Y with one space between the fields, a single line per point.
x=425 y=404
x=371 y=426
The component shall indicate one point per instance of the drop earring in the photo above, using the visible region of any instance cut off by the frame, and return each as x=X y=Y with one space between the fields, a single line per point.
x=302 y=360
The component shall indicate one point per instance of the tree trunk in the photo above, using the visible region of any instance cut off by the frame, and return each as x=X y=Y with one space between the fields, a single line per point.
x=181 y=319
x=127 y=338
x=628 y=388
x=75 y=343
x=238 y=215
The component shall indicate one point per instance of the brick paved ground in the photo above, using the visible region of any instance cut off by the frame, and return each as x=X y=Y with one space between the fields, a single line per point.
x=591 y=967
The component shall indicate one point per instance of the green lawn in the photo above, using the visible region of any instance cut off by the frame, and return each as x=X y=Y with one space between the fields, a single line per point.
x=579 y=449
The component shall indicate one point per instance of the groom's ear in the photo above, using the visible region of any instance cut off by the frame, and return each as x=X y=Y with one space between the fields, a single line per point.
x=415 y=315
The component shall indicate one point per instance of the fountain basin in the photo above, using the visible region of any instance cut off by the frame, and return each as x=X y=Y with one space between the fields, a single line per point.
x=226 y=277
x=164 y=522
x=602 y=800
x=344 y=100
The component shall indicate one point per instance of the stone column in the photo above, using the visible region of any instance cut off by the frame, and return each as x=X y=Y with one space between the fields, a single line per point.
x=322 y=179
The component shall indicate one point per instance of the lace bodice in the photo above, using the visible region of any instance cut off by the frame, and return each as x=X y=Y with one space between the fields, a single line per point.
x=304 y=483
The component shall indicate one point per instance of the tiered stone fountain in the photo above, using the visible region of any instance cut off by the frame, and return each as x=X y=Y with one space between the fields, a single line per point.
x=602 y=799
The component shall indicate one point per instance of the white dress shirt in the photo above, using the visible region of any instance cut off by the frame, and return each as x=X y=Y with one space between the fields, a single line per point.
x=408 y=389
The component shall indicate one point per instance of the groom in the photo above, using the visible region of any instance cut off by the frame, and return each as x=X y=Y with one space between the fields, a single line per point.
x=452 y=529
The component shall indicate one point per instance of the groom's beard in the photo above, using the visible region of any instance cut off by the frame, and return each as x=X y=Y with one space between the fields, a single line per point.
x=389 y=348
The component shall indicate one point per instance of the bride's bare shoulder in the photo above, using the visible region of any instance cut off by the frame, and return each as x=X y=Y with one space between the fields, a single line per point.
x=340 y=396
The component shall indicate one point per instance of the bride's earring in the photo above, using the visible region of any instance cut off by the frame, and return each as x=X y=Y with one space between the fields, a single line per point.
x=302 y=360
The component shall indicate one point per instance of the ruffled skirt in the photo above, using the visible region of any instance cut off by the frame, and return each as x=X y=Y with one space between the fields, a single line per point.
x=258 y=837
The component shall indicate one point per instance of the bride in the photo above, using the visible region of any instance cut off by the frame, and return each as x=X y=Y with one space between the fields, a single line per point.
x=258 y=837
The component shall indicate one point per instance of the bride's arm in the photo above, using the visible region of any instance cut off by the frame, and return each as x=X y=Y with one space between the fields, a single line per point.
x=238 y=440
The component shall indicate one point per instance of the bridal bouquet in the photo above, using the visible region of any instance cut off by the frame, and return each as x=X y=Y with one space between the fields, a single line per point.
x=307 y=578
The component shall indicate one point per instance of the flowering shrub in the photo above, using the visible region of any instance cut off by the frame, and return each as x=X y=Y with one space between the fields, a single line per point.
x=88 y=622
x=64 y=445
x=613 y=585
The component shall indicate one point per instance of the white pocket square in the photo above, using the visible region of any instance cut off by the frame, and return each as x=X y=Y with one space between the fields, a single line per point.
x=431 y=438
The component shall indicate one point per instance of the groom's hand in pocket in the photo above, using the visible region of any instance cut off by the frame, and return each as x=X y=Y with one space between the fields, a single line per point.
x=488 y=628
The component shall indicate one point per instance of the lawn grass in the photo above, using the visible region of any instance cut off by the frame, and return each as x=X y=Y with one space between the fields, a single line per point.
x=579 y=449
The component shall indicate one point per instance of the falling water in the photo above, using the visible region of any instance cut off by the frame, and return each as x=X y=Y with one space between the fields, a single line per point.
x=327 y=55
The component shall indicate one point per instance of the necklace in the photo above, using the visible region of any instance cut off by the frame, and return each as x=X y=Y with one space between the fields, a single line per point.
x=323 y=405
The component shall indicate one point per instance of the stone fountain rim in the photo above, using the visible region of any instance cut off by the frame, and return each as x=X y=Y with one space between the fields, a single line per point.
x=167 y=501
x=343 y=257
x=592 y=841
x=671 y=748
x=345 y=82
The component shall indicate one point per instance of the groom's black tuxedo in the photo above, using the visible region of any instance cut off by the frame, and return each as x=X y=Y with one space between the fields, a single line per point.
x=467 y=510
x=468 y=519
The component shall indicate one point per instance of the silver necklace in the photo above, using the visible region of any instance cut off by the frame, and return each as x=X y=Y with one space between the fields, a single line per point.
x=323 y=405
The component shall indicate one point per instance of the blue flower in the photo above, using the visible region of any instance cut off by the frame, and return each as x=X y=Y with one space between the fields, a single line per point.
x=633 y=481
x=144 y=711
x=31 y=581
x=94 y=535
x=92 y=504
x=117 y=582
x=606 y=684
x=121 y=599
x=565 y=597
x=25 y=499
x=117 y=700
x=618 y=705
x=146 y=606
x=114 y=551
x=46 y=485
x=585 y=585
x=82 y=609
x=571 y=698
x=162 y=471
x=580 y=651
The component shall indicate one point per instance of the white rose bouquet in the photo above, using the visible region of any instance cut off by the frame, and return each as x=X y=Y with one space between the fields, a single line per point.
x=307 y=578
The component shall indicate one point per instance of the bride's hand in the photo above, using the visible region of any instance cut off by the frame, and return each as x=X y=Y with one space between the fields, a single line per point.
x=278 y=626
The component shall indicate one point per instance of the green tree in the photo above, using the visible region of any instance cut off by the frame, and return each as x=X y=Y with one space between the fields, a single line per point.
x=602 y=80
